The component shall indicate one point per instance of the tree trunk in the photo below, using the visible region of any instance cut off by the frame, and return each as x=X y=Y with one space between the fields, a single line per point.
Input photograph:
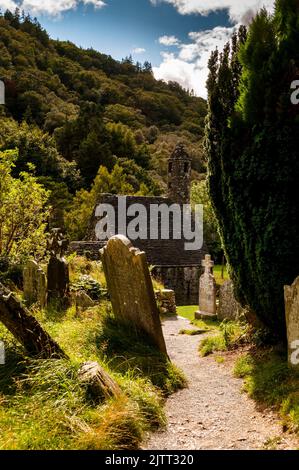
x=26 y=329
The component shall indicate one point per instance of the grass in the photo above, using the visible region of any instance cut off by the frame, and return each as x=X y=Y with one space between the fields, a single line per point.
x=217 y=270
x=187 y=312
x=125 y=354
x=192 y=332
x=228 y=335
x=44 y=406
x=80 y=266
x=270 y=382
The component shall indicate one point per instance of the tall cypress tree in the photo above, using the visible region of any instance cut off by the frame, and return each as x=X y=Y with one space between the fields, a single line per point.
x=252 y=144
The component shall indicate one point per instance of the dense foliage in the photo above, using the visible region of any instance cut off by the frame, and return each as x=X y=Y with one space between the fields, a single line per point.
x=86 y=108
x=22 y=213
x=252 y=143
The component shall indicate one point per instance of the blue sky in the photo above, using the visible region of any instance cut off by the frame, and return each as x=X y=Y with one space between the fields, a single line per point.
x=176 y=36
x=126 y=25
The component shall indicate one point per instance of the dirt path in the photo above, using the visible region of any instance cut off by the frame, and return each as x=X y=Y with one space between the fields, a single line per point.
x=212 y=413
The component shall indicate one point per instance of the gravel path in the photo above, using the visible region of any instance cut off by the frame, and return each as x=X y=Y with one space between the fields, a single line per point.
x=213 y=413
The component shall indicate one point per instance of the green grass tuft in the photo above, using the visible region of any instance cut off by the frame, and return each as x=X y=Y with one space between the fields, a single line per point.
x=269 y=380
x=43 y=406
x=125 y=352
x=192 y=332
x=230 y=334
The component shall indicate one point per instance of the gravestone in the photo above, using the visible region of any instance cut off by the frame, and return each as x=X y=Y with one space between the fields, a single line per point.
x=291 y=295
x=34 y=284
x=82 y=301
x=207 y=292
x=229 y=308
x=58 y=269
x=131 y=290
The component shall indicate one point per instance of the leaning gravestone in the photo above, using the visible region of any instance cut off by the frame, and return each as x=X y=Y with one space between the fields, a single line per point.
x=229 y=308
x=130 y=286
x=58 y=269
x=207 y=292
x=291 y=294
x=34 y=284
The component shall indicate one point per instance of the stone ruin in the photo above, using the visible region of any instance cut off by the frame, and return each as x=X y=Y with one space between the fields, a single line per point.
x=178 y=269
x=166 y=301
x=131 y=290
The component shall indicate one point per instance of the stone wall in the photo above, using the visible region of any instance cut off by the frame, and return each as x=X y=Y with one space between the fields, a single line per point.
x=184 y=280
x=177 y=268
x=159 y=252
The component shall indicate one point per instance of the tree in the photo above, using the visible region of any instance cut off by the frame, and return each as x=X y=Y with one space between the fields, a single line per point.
x=199 y=195
x=252 y=146
x=80 y=211
x=23 y=215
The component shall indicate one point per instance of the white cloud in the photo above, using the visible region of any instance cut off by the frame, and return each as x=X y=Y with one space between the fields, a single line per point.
x=169 y=41
x=237 y=9
x=8 y=4
x=48 y=7
x=139 y=50
x=189 y=66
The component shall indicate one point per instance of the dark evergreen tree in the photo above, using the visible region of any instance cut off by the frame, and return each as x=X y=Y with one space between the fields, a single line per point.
x=252 y=143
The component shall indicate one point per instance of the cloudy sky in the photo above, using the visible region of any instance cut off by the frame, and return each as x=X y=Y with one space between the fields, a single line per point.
x=176 y=36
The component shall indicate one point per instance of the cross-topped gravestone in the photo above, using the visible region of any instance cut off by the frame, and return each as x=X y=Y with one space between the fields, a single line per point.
x=207 y=291
x=58 y=269
x=208 y=264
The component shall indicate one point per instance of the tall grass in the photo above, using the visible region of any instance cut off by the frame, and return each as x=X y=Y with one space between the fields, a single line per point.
x=43 y=405
x=269 y=380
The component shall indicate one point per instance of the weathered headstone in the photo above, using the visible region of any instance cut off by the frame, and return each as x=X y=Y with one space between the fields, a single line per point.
x=34 y=284
x=229 y=308
x=98 y=382
x=131 y=289
x=58 y=279
x=291 y=294
x=58 y=269
x=207 y=292
x=82 y=301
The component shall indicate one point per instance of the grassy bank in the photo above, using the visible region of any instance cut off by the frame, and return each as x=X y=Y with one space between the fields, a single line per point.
x=270 y=382
x=44 y=406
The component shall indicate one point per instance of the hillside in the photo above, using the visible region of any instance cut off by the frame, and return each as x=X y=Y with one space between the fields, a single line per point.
x=51 y=84
x=69 y=111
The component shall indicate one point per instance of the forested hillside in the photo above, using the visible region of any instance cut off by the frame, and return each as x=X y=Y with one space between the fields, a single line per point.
x=71 y=111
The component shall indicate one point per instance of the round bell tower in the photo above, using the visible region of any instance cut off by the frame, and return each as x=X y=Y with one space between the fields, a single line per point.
x=179 y=176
